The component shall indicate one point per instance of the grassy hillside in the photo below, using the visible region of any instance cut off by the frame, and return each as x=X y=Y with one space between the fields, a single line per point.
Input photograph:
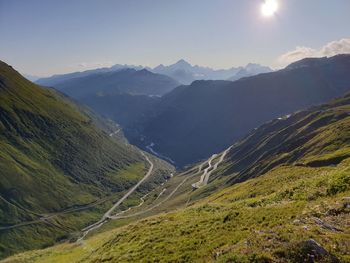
x=316 y=137
x=297 y=210
x=268 y=219
x=53 y=159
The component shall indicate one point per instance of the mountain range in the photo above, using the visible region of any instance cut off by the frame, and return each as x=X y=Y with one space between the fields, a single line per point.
x=129 y=81
x=249 y=70
x=185 y=73
x=192 y=122
x=58 y=78
x=181 y=71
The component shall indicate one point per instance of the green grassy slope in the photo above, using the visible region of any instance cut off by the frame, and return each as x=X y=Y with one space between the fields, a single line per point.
x=244 y=223
x=274 y=217
x=316 y=137
x=53 y=158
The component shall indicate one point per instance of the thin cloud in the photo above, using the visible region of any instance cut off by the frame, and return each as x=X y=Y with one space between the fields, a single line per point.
x=91 y=65
x=330 y=49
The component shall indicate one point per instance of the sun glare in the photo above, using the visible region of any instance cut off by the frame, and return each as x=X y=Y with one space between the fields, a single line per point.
x=269 y=8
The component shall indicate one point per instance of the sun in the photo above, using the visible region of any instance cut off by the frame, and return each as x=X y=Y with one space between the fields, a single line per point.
x=269 y=8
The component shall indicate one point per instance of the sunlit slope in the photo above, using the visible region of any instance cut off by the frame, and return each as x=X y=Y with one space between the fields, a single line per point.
x=52 y=158
x=316 y=137
x=290 y=212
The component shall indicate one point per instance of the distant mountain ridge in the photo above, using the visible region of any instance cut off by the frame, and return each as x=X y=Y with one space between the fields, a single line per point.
x=126 y=80
x=55 y=79
x=250 y=70
x=185 y=73
x=182 y=71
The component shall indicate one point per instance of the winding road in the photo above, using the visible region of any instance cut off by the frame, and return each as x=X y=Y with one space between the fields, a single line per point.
x=204 y=175
x=204 y=179
x=114 y=133
x=156 y=205
x=108 y=214
x=43 y=218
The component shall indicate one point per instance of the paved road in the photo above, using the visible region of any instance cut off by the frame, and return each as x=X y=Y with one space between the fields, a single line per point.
x=19 y=207
x=204 y=179
x=21 y=224
x=216 y=165
x=108 y=214
x=45 y=217
x=142 y=199
x=114 y=133
x=158 y=204
x=206 y=170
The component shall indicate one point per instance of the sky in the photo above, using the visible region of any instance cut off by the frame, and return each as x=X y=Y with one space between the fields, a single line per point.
x=45 y=37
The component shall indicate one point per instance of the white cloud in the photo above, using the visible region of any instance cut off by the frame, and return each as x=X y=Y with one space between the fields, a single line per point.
x=336 y=47
x=330 y=49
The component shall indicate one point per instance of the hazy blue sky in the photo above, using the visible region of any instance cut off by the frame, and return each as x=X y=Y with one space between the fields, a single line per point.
x=42 y=37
